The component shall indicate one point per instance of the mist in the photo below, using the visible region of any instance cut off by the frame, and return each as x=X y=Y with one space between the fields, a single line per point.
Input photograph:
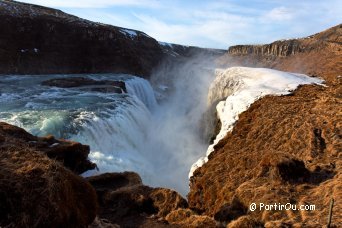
x=176 y=137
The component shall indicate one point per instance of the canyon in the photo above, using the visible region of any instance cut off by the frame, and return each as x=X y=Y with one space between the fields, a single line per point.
x=282 y=149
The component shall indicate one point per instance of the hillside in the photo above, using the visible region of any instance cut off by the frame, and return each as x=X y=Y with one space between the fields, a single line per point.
x=41 y=40
x=283 y=149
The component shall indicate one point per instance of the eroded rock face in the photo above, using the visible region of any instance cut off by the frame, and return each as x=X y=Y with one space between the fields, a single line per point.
x=40 y=40
x=289 y=47
x=36 y=191
x=72 y=155
x=278 y=48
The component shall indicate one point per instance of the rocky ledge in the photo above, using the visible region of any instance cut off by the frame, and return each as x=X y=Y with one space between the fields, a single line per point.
x=104 y=86
x=282 y=48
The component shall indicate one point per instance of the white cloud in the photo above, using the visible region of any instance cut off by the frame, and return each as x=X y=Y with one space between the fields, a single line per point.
x=280 y=14
x=206 y=29
x=94 y=3
x=218 y=23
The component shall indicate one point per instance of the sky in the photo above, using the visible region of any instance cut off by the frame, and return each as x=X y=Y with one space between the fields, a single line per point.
x=211 y=24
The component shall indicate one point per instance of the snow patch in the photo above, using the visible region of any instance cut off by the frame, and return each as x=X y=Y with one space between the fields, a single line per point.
x=128 y=32
x=240 y=87
x=165 y=44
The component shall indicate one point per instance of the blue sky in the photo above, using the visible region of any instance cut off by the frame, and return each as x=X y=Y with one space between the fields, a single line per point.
x=205 y=23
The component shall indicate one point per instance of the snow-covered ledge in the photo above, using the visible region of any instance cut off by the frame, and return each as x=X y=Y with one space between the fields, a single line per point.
x=241 y=86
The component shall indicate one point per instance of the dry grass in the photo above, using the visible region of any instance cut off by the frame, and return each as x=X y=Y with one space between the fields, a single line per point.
x=36 y=191
x=283 y=149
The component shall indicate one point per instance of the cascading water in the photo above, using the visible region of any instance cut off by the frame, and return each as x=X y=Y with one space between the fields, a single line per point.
x=126 y=132
x=142 y=89
x=114 y=125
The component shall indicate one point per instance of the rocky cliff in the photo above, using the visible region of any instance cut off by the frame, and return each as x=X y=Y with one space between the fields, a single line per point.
x=318 y=54
x=283 y=149
x=282 y=48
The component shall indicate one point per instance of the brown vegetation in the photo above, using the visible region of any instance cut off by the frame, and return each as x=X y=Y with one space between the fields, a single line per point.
x=283 y=149
x=36 y=191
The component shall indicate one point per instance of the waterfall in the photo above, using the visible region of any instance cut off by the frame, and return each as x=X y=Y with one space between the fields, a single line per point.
x=117 y=138
x=115 y=126
x=142 y=89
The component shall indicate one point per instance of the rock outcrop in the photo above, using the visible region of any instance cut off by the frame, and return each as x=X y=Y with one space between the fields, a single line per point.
x=40 y=40
x=36 y=191
x=282 y=149
x=277 y=48
x=72 y=155
x=317 y=55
